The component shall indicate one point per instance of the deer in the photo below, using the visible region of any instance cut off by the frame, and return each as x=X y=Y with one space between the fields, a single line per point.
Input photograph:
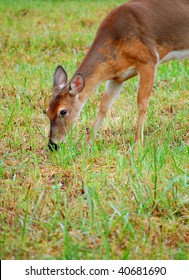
x=132 y=40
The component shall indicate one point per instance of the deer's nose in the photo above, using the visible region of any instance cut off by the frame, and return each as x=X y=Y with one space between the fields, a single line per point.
x=52 y=146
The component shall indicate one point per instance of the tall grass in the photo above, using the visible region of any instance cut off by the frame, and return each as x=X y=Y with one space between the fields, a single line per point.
x=107 y=202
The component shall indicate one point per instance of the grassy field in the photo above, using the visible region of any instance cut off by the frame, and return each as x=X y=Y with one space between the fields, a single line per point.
x=105 y=203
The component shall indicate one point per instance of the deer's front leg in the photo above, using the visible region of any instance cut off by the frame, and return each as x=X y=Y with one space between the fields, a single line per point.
x=147 y=75
x=113 y=89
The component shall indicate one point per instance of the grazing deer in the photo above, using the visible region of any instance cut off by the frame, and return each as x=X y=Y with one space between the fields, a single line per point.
x=133 y=39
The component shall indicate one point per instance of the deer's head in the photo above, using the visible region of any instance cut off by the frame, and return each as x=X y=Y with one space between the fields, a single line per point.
x=65 y=106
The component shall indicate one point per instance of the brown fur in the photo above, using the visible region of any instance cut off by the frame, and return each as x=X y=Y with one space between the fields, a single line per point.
x=132 y=39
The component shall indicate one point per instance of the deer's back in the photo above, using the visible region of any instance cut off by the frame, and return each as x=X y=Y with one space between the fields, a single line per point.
x=161 y=22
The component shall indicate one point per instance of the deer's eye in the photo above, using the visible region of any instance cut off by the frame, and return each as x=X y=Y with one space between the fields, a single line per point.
x=63 y=113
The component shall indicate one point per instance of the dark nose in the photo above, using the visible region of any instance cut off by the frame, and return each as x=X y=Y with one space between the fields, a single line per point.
x=52 y=146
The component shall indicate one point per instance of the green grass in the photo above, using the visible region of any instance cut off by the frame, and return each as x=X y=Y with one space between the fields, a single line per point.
x=109 y=202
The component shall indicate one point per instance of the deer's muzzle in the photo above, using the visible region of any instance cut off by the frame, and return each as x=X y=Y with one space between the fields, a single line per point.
x=52 y=146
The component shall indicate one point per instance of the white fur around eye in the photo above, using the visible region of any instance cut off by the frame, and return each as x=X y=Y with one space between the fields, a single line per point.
x=61 y=86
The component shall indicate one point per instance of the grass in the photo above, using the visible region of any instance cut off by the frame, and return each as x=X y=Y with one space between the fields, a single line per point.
x=106 y=203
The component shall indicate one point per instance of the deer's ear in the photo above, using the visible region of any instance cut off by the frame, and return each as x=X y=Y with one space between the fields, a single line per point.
x=60 y=77
x=77 y=84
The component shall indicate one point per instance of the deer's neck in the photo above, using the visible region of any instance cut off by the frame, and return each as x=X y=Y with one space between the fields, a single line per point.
x=96 y=66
